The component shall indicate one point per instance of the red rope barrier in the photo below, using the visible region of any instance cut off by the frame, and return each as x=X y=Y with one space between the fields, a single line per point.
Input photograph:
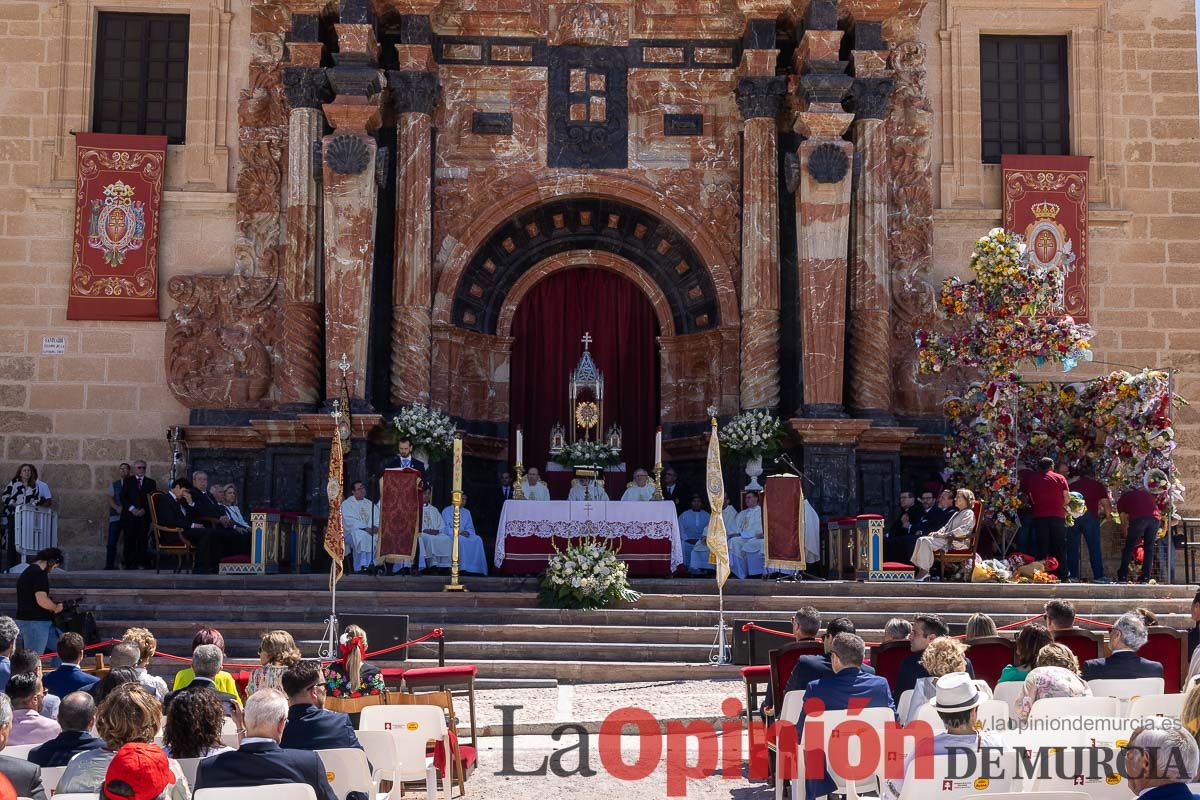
x=436 y=633
x=750 y=626
x=46 y=656
x=1095 y=622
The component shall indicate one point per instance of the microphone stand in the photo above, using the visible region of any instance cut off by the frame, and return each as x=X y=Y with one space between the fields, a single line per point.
x=785 y=460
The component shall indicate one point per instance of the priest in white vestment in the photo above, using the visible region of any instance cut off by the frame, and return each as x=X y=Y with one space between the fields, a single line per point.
x=642 y=488
x=360 y=523
x=471 y=557
x=746 y=540
x=590 y=489
x=533 y=487
x=700 y=553
x=436 y=540
x=692 y=526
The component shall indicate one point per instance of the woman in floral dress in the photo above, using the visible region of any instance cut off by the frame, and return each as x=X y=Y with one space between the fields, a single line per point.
x=277 y=651
x=1056 y=675
x=352 y=676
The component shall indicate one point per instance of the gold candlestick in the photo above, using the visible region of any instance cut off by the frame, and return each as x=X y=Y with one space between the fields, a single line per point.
x=456 y=496
x=518 y=494
x=658 y=495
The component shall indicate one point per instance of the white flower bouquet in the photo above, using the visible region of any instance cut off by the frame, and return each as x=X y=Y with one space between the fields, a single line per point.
x=427 y=428
x=588 y=454
x=752 y=434
x=587 y=574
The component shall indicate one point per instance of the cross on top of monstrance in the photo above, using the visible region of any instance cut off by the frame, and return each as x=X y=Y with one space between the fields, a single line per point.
x=587 y=339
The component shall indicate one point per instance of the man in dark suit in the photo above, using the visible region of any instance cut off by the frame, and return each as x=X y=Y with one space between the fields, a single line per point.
x=310 y=726
x=936 y=516
x=207 y=661
x=25 y=776
x=260 y=761
x=404 y=459
x=835 y=693
x=219 y=528
x=68 y=677
x=926 y=628
x=1127 y=637
x=135 y=515
x=672 y=490
x=76 y=715
x=174 y=510
x=1160 y=761
x=812 y=668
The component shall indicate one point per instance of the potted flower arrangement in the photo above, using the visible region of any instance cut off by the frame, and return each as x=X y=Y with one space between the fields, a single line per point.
x=752 y=435
x=430 y=431
x=587 y=574
x=588 y=454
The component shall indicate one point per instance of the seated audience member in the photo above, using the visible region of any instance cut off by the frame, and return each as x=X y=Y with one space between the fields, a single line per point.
x=28 y=725
x=926 y=628
x=848 y=684
x=206 y=664
x=1127 y=636
x=806 y=626
x=980 y=626
x=1190 y=715
x=352 y=676
x=943 y=656
x=223 y=680
x=147 y=646
x=957 y=700
x=692 y=525
x=1060 y=615
x=896 y=630
x=955 y=534
x=1193 y=632
x=700 y=553
x=900 y=539
x=1160 y=761
x=310 y=726
x=234 y=511
x=933 y=516
x=260 y=761
x=813 y=667
x=68 y=677
x=117 y=676
x=434 y=542
x=277 y=652
x=27 y=661
x=128 y=714
x=1030 y=641
x=76 y=716
x=9 y=633
x=25 y=776
x=1056 y=674
x=142 y=771
x=193 y=727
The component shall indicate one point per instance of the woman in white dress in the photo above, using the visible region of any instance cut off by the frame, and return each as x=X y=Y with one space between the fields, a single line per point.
x=954 y=535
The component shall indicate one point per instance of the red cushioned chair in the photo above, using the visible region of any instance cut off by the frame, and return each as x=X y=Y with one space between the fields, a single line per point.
x=1085 y=644
x=460 y=677
x=755 y=678
x=783 y=661
x=886 y=658
x=1168 y=647
x=990 y=655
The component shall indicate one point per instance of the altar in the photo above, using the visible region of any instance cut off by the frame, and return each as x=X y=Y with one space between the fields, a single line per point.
x=529 y=531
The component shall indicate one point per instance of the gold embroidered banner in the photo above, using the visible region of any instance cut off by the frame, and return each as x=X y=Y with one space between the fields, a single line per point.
x=118 y=194
x=1046 y=201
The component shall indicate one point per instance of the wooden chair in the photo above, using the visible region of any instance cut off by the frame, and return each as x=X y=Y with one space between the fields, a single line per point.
x=462 y=757
x=960 y=556
x=355 y=705
x=169 y=540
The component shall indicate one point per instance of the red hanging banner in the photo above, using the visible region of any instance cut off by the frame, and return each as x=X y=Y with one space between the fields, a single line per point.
x=1046 y=201
x=118 y=193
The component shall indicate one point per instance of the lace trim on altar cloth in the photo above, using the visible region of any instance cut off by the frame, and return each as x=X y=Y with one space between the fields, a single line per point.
x=565 y=529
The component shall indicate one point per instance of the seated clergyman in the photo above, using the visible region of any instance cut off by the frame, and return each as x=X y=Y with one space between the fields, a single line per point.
x=641 y=488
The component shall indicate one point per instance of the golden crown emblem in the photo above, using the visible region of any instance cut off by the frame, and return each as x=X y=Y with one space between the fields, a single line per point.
x=118 y=194
x=1045 y=210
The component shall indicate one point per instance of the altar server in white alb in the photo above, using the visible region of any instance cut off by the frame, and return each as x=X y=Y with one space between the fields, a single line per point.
x=700 y=553
x=436 y=540
x=590 y=490
x=533 y=487
x=471 y=557
x=642 y=488
x=746 y=540
x=360 y=521
x=692 y=525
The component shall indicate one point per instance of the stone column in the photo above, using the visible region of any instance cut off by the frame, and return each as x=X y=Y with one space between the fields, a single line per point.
x=870 y=282
x=414 y=94
x=758 y=96
x=823 y=209
x=307 y=89
x=350 y=203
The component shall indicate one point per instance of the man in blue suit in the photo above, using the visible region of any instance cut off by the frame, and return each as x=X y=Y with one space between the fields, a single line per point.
x=310 y=726
x=926 y=628
x=813 y=668
x=1159 y=762
x=260 y=761
x=68 y=677
x=835 y=693
x=76 y=716
x=1127 y=637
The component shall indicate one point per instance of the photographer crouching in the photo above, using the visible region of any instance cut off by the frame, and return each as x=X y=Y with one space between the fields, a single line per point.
x=35 y=607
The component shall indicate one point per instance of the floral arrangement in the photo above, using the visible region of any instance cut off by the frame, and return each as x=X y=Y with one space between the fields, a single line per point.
x=582 y=453
x=587 y=574
x=752 y=434
x=427 y=428
x=1076 y=508
x=990 y=571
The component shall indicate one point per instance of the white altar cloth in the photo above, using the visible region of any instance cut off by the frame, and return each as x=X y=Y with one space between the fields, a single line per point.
x=654 y=519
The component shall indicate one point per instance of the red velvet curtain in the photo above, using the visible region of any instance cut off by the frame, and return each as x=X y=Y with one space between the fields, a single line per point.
x=547 y=329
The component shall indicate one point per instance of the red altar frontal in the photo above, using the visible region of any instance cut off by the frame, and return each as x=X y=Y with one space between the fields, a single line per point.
x=647 y=533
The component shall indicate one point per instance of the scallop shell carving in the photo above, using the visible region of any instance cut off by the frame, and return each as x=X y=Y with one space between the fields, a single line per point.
x=828 y=163
x=347 y=155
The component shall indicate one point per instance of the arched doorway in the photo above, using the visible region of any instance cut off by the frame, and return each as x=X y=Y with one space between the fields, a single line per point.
x=547 y=326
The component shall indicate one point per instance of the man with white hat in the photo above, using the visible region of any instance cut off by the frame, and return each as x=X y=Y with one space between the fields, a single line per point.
x=957 y=702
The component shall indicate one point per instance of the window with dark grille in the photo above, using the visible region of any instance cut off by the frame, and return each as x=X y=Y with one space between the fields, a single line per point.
x=1023 y=86
x=141 y=75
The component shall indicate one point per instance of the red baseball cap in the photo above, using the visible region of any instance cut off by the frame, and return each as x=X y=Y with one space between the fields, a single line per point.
x=139 y=771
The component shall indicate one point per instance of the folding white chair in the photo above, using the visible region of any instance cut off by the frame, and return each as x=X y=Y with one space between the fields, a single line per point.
x=187 y=766
x=348 y=771
x=380 y=747
x=82 y=796
x=19 y=750
x=1097 y=787
x=902 y=706
x=412 y=727
x=1108 y=731
x=50 y=778
x=992 y=716
x=228 y=726
x=1007 y=692
x=946 y=784
x=1154 y=705
x=835 y=725
x=279 y=791
x=1127 y=690
x=1033 y=795
x=1060 y=707
x=793 y=704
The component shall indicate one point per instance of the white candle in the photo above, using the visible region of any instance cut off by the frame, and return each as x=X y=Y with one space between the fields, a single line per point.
x=658 y=445
x=520 y=446
x=457 y=475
